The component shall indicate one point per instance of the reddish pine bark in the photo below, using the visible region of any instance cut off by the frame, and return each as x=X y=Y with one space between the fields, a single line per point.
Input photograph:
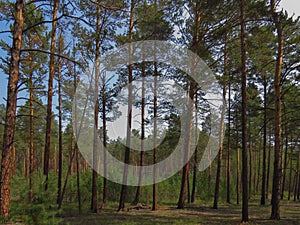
x=50 y=93
x=277 y=174
x=12 y=92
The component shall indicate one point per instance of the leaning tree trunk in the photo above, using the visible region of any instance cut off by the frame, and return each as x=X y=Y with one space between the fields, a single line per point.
x=277 y=174
x=50 y=94
x=11 y=105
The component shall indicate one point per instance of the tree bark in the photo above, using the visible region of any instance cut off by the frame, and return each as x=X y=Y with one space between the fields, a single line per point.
x=258 y=171
x=187 y=144
x=190 y=105
x=229 y=117
x=285 y=154
x=94 y=204
x=218 y=176
x=78 y=178
x=129 y=114
x=237 y=185
x=11 y=105
x=154 y=194
x=268 y=169
x=104 y=131
x=31 y=134
x=250 y=165
x=296 y=186
x=245 y=216
x=277 y=174
x=291 y=171
x=263 y=184
x=60 y=140
x=195 y=153
x=139 y=187
x=50 y=94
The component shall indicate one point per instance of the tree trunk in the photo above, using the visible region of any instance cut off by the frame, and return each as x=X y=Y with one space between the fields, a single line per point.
x=188 y=189
x=298 y=194
x=190 y=104
x=254 y=167
x=277 y=174
x=250 y=165
x=129 y=114
x=154 y=194
x=228 y=138
x=237 y=185
x=75 y=142
x=11 y=105
x=296 y=186
x=290 y=175
x=78 y=179
x=195 y=153
x=187 y=144
x=26 y=162
x=14 y=161
x=50 y=93
x=139 y=187
x=258 y=170
x=68 y=172
x=31 y=133
x=263 y=184
x=245 y=216
x=104 y=194
x=94 y=205
x=60 y=140
x=285 y=154
x=218 y=176
x=268 y=171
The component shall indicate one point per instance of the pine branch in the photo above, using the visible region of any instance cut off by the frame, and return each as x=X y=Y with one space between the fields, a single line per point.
x=55 y=54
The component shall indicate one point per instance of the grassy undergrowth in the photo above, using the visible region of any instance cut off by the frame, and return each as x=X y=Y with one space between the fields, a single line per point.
x=192 y=214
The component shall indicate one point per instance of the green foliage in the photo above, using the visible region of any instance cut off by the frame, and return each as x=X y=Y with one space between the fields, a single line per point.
x=42 y=210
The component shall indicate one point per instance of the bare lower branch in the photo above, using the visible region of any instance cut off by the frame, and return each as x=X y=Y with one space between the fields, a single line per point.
x=55 y=54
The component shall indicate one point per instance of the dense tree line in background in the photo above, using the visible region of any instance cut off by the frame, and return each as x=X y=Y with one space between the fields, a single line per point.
x=251 y=46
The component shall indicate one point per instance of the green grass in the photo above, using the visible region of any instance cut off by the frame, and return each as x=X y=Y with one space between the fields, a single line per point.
x=192 y=214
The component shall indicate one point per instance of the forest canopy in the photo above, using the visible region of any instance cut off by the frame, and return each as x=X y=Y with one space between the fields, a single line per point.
x=98 y=94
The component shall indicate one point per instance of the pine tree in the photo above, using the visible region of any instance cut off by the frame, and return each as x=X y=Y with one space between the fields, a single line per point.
x=10 y=119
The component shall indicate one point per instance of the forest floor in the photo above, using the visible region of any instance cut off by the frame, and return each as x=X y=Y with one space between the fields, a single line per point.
x=192 y=214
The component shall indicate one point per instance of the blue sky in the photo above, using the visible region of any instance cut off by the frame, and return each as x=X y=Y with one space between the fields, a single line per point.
x=3 y=77
x=292 y=7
